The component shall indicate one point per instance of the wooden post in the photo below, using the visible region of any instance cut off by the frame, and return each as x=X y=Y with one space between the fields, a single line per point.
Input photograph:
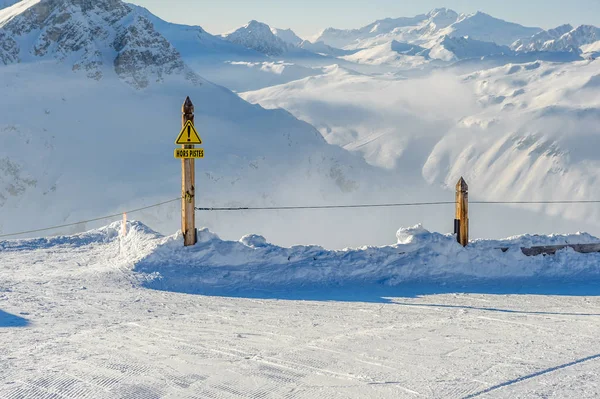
x=188 y=185
x=124 y=226
x=461 y=223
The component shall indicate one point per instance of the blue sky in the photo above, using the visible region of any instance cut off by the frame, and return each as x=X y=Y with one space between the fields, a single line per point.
x=307 y=17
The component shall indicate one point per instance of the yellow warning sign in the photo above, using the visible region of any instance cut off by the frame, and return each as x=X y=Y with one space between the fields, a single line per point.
x=188 y=135
x=189 y=153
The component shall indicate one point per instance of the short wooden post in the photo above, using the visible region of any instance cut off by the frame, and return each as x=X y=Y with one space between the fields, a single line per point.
x=124 y=225
x=188 y=185
x=461 y=223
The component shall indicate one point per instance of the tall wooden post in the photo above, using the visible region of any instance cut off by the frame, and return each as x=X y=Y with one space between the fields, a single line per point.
x=188 y=185
x=461 y=223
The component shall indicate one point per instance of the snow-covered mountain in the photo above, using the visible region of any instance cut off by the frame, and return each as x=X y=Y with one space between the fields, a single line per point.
x=275 y=43
x=288 y=36
x=193 y=40
x=536 y=42
x=429 y=27
x=561 y=39
x=484 y=27
x=343 y=37
x=322 y=48
x=405 y=55
x=223 y=62
x=394 y=53
x=102 y=92
x=460 y=48
x=258 y=36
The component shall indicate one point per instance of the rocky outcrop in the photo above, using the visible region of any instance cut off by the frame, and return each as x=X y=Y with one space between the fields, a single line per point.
x=96 y=37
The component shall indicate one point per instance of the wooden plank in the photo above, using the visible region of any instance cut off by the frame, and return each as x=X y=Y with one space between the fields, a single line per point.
x=553 y=249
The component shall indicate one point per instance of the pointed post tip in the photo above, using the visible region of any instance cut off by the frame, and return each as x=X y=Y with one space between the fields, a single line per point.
x=188 y=106
x=462 y=185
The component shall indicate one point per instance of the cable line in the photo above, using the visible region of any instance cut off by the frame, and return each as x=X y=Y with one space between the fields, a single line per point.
x=534 y=202
x=89 y=220
x=286 y=208
x=394 y=205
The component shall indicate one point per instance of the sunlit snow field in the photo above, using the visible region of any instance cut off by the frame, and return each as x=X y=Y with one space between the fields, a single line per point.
x=99 y=316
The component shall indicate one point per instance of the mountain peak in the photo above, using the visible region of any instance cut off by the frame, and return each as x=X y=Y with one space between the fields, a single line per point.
x=563 y=28
x=256 y=24
x=441 y=11
x=258 y=36
x=484 y=27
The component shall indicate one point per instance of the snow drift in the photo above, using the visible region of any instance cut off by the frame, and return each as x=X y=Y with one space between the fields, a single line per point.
x=252 y=263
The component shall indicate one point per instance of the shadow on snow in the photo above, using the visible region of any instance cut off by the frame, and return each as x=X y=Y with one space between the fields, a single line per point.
x=9 y=320
x=381 y=293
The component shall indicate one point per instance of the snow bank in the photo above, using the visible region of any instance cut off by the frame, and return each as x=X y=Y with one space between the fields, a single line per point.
x=419 y=256
x=216 y=266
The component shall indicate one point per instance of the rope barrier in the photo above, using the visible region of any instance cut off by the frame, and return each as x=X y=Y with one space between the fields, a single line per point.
x=287 y=208
x=533 y=202
x=89 y=220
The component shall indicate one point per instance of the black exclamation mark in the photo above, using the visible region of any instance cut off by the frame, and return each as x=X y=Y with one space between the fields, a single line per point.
x=189 y=132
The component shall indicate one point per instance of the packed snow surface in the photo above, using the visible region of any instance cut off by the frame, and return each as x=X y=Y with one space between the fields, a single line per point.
x=420 y=318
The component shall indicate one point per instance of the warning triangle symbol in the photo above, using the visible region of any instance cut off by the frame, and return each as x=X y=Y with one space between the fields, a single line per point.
x=188 y=135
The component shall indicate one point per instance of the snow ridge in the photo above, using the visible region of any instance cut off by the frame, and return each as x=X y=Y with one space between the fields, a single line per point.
x=288 y=36
x=460 y=48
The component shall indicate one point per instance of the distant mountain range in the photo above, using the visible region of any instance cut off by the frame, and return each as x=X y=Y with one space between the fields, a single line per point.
x=441 y=34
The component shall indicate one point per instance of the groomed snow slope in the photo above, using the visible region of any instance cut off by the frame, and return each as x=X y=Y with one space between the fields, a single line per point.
x=76 y=320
